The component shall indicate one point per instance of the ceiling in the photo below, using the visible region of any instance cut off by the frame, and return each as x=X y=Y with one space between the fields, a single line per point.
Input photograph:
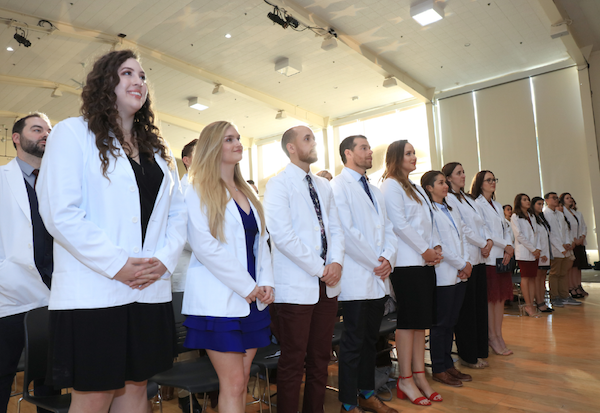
x=184 y=52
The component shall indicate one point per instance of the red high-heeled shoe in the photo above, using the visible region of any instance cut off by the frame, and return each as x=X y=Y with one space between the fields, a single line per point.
x=401 y=395
x=435 y=396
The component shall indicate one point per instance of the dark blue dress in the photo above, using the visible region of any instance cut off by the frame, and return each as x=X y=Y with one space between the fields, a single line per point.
x=236 y=334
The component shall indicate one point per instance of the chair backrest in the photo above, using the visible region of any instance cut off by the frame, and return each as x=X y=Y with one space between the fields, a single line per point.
x=180 y=330
x=36 y=346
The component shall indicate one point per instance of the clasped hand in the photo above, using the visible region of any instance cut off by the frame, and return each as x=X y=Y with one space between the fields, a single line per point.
x=263 y=293
x=384 y=270
x=485 y=251
x=140 y=273
x=433 y=256
x=332 y=274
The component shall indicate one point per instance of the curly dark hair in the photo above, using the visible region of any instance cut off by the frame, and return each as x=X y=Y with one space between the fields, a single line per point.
x=99 y=109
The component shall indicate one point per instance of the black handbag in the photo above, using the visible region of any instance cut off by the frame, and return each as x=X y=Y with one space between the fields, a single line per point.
x=510 y=267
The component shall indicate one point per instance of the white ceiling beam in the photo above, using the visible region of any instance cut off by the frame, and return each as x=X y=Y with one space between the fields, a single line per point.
x=68 y=30
x=364 y=54
x=46 y=84
x=555 y=16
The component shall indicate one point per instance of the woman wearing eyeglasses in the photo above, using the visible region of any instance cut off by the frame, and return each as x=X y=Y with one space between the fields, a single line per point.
x=499 y=284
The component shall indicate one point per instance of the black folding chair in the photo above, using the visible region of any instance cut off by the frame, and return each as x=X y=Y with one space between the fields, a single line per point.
x=267 y=358
x=36 y=361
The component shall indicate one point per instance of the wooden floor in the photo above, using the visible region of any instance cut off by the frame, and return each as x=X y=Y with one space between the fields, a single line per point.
x=555 y=368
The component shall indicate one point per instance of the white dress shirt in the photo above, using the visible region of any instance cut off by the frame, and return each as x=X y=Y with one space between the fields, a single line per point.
x=369 y=234
x=95 y=221
x=296 y=235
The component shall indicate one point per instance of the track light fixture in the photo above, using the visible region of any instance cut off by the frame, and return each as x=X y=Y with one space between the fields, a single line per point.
x=281 y=17
x=281 y=115
x=218 y=89
x=21 y=38
x=56 y=93
x=390 y=81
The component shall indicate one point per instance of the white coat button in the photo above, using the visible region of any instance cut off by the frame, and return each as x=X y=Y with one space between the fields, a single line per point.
x=134 y=219
x=317 y=248
x=31 y=267
x=136 y=250
x=379 y=244
x=132 y=188
x=29 y=245
x=317 y=228
x=378 y=226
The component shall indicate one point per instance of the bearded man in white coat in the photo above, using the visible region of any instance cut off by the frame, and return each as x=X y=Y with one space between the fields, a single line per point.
x=370 y=246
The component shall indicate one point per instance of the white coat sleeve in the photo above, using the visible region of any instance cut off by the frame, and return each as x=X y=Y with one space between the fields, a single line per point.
x=356 y=246
x=266 y=277
x=211 y=253
x=60 y=196
x=337 y=244
x=390 y=248
x=394 y=204
x=176 y=227
x=279 y=222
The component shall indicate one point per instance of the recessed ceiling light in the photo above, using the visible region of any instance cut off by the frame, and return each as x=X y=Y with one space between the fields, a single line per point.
x=198 y=103
x=228 y=36
x=10 y=49
x=426 y=12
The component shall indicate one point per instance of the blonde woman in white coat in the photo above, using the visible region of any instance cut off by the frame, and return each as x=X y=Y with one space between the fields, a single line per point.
x=471 y=330
x=230 y=278
x=499 y=285
x=527 y=249
x=413 y=277
x=543 y=231
x=450 y=274
x=109 y=195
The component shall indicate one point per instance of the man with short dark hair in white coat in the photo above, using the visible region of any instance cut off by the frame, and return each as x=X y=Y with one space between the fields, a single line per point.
x=370 y=246
x=25 y=246
x=308 y=253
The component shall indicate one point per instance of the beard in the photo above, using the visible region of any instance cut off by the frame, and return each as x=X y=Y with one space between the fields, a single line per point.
x=308 y=157
x=31 y=147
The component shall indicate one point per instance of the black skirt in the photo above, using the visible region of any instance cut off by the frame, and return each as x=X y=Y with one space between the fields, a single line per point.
x=581 y=260
x=101 y=349
x=415 y=294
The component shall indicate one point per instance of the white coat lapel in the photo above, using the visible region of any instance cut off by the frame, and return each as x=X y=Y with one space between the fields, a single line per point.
x=233 y=210
x=358 y=187
x=302 y=188
x=15 y=179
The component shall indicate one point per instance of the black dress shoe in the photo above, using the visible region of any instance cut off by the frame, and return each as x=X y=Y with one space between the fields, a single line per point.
x=184 y=404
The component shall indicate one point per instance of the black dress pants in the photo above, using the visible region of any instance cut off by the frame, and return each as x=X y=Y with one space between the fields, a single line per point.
x=12 y=342
x=449 y=302
x=362 y=319
x=471 y=331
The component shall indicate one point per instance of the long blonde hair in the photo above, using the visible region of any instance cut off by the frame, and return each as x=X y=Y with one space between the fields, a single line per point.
x=394 y=157
x=205 y=176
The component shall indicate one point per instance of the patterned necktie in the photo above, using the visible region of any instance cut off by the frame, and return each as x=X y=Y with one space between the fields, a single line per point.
x=315 y=199
x=366 y=187
x=36 y=173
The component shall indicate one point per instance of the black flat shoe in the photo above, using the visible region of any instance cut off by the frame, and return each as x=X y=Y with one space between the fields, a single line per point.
x=546 y=310
x=184 y=404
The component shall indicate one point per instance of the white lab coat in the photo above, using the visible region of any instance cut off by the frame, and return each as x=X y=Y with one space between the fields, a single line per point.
x=453 y=242
x=95 y=222
x=473 y=226
x=218 y=279
x=582 y=226
x=296 y=235
x=558 y=232
x=21 y=286
x=497 y=229
x=544 y=242
x=369 y=234
x=180 y=272
x=527 y=239
x=573 y=232
x=413 y=224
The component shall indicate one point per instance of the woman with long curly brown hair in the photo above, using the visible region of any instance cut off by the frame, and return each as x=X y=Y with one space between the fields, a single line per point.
x=109 y=195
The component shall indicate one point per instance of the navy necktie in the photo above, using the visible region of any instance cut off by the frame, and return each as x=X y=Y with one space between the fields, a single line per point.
x=315 y=199
x=366 y=187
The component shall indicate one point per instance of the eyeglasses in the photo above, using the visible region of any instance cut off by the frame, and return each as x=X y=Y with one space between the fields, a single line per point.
x=491 y=181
